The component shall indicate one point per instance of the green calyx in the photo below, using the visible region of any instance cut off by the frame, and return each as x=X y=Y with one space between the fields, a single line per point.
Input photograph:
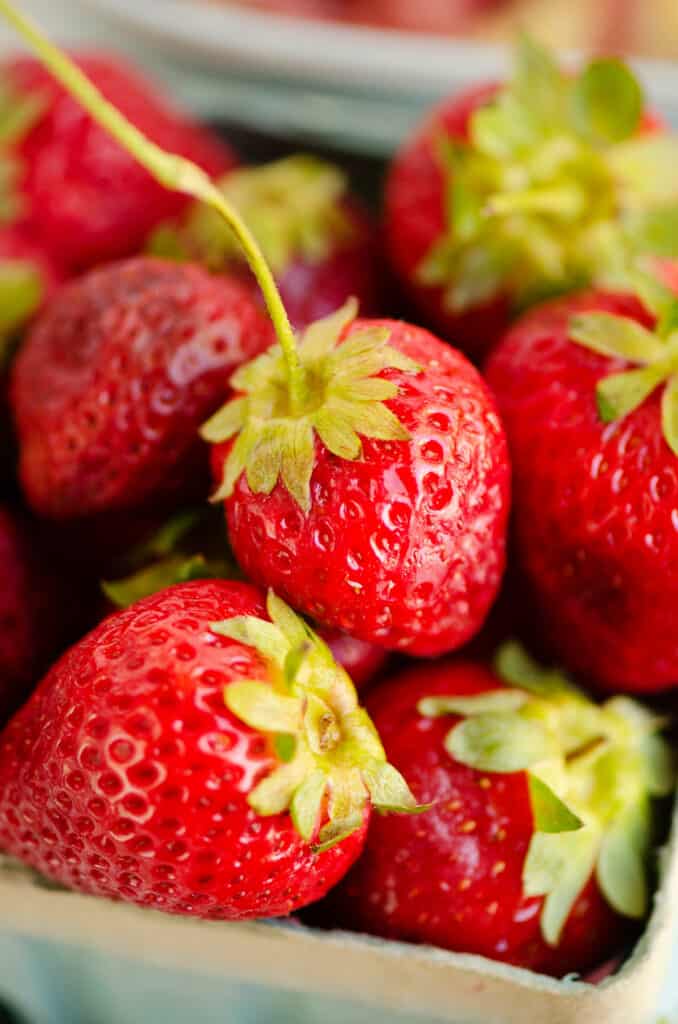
x=654 y=351
x=292 y=206
x=342 y=400
x=537 y=198
x=183 y=549
x=331 y=763
x=21 y=292
x=592 y=772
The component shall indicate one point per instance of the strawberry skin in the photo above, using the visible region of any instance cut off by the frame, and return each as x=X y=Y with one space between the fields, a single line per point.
x=594 y=503
x=453 y=878
x=403 y=547
x=136 y=782
x=87 y=200
x=112 y=382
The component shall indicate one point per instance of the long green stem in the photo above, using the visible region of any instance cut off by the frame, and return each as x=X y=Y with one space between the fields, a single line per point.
x=173 y=172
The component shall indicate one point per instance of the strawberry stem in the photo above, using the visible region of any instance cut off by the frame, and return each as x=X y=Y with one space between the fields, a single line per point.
x=173 y=172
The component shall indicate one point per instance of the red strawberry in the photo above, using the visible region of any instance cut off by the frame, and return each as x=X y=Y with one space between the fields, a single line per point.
x=316 y=238
x=596 y=482
x=395 y=536
x=510 y=192
x=37 y=610
x=500 y=866
x=145 y=782
x=113 y=380
x=86 y=199
x=325 y=476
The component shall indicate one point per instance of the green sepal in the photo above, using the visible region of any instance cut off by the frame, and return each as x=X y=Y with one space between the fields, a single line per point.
x=592 y=112
x=21 y=293
x=345 y=401
x=558 y=866
x=158 y=576
x=549 y=812
x=474 y=704
x=621 y=869
x=331 y=763
x=294 y=207
x=499 y=742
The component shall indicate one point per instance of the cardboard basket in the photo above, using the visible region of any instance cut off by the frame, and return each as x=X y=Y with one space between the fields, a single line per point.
x=396 y=977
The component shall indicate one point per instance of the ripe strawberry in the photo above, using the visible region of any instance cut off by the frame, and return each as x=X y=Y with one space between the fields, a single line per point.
x=535 y=846
x=191 y=545
x=114 y=378
x=397 y=535
x=83 y=196
x=36 y=609
x=595 y=479
x=199 y=752
x=411 y=498
x=510 y=192
x=316 y=238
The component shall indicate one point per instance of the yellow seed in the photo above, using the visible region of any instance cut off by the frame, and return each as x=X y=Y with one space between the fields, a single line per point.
x=454 y=805
x=498 y=867
x=468 y=826
x=493 y=908
x=464 y=884
x=484 y=783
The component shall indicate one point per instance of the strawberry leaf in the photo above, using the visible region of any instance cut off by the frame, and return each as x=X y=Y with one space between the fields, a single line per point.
x=607 y=102
x=549 y=812
x=499 y=742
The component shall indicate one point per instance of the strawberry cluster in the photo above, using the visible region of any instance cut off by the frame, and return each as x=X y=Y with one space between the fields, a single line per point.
x=177 y=328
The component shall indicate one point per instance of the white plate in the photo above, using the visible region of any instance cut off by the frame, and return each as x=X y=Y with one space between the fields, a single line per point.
x=353 y=86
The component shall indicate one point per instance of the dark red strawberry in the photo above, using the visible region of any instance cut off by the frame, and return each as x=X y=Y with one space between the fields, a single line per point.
x=508 y=193
x=596 y=480
x=316 y=238
x=534 y=851
x=113 y=380
x=85 y=198
x=133 y=773
x=380 y=507
x=37 y=609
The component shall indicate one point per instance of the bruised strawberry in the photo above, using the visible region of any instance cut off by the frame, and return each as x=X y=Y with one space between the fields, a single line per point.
x=317 y=240
x=378 y=506
x=83 y=196
x=535 y=848
x=200 y=753
x=114 y=378
x=512 y=192
x=587 y=391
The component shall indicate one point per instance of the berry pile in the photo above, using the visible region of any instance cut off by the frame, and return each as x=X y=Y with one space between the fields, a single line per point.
x=239 y=500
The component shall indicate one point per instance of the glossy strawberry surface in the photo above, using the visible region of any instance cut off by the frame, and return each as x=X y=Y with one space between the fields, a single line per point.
x=86 y=199
x=403 y=547
x=453 y=876
x=126 y=776
x=596 y=526
x=112 y=382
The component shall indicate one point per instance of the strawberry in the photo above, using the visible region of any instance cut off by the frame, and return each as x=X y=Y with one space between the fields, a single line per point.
x=381 y=511
x=372 y=447
x=190 y=545
x=199 y=752
x=534 y=851
x=37 y=609
x=513 y=191
x=113 y=380
x=594 y=448
x=82 y=195
x=316 y=238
